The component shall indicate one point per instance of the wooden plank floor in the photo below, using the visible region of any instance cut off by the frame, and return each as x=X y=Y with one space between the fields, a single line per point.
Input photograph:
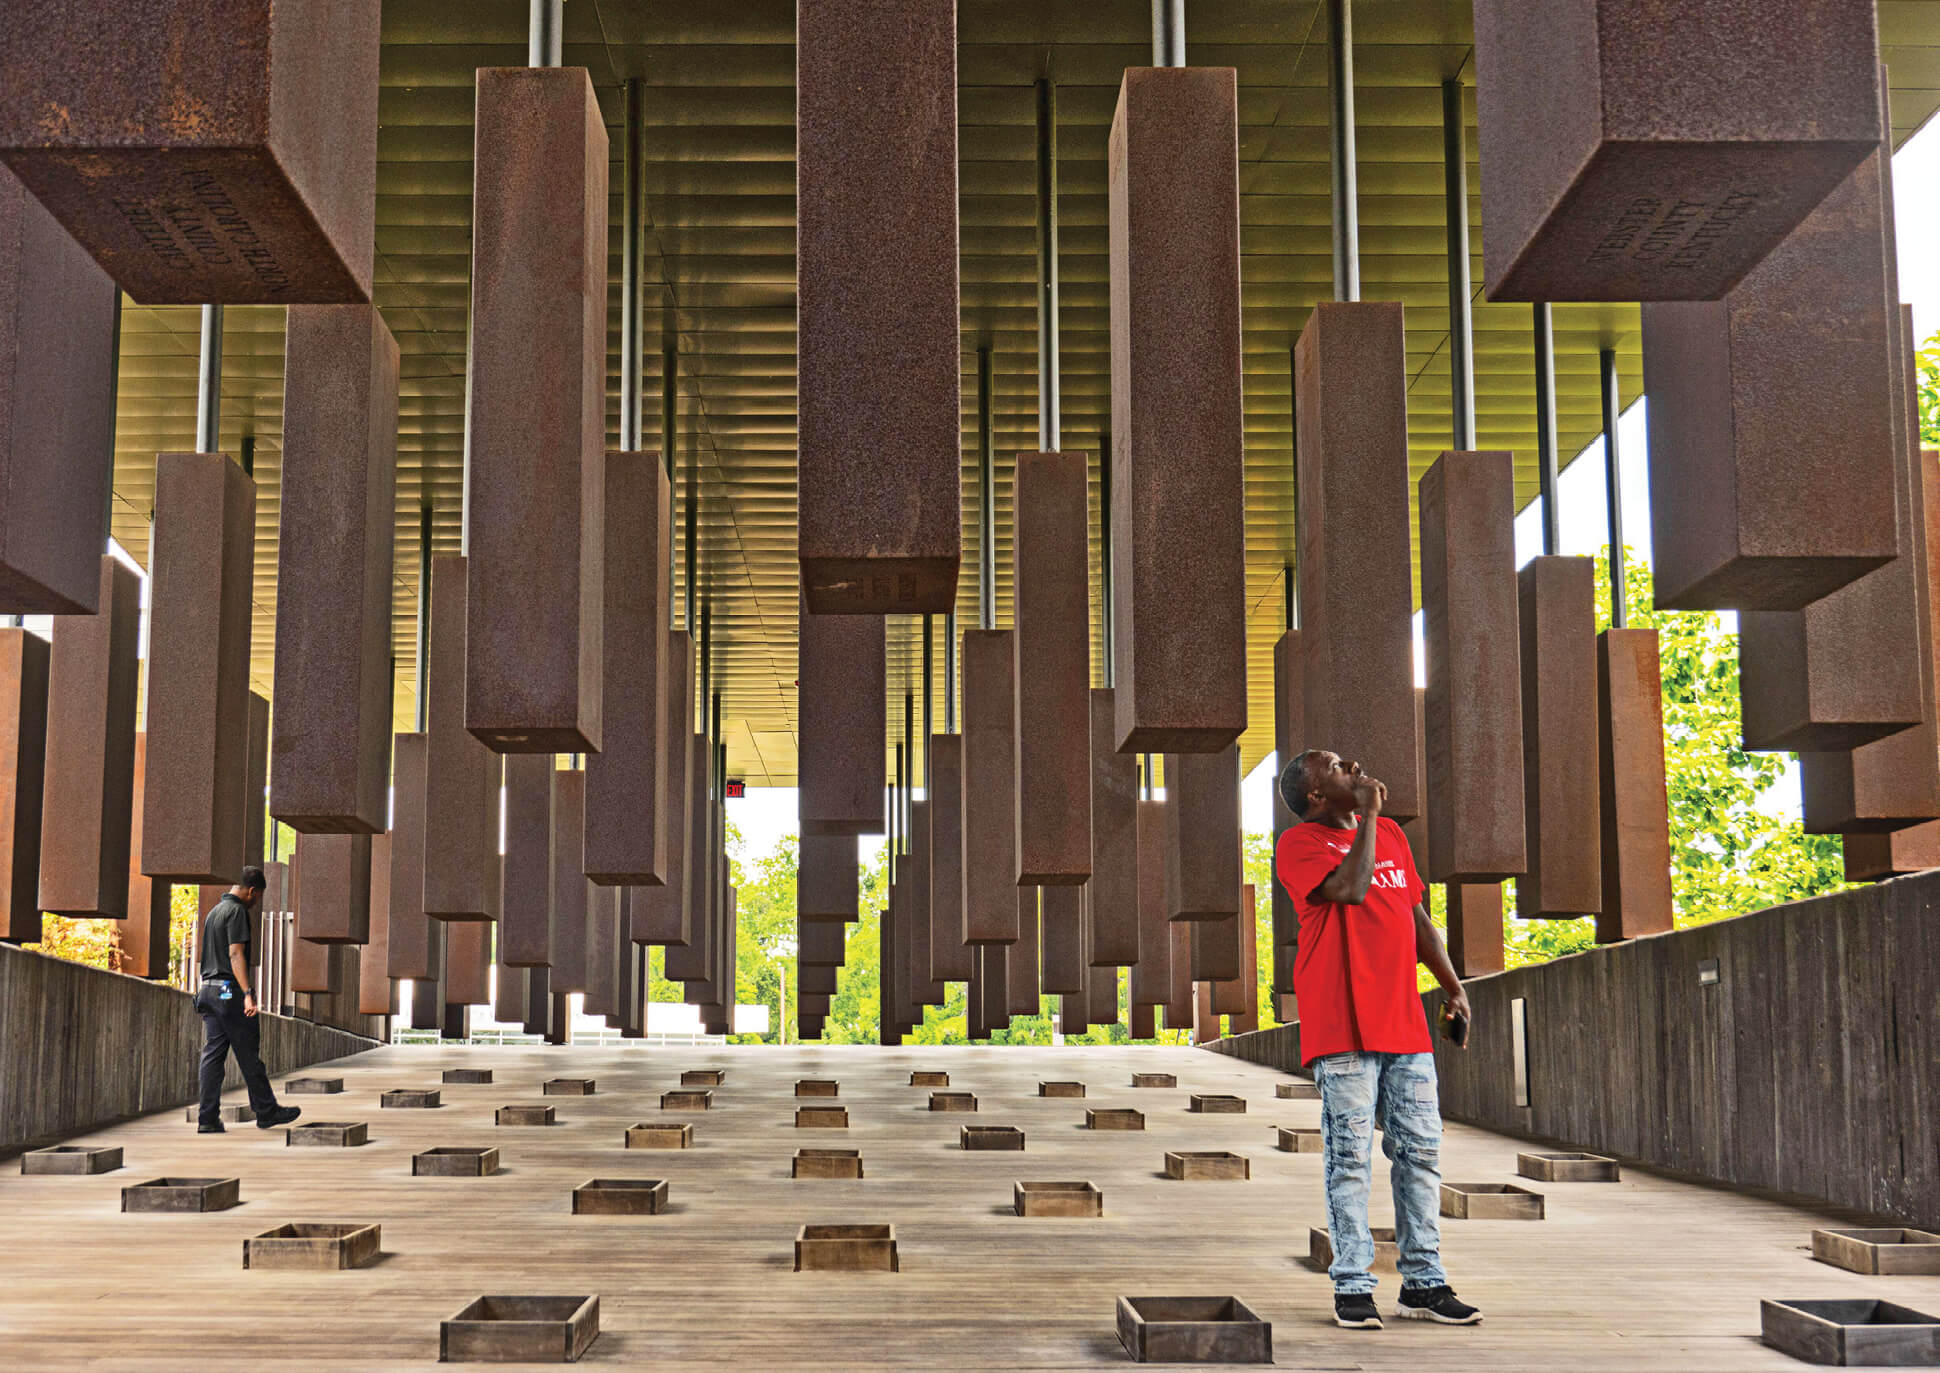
x=1646 y=1274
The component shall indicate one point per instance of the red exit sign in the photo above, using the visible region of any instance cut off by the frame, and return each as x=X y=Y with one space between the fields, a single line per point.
x=736 y=788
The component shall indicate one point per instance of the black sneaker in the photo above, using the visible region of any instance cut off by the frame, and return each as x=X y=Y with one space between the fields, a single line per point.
x=1356 y=1311
x=1438 y=1304
x=282 y=1115
x=210 y=1130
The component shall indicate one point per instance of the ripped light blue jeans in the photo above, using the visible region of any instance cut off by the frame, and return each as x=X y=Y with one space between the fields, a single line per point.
x=1397 y=1091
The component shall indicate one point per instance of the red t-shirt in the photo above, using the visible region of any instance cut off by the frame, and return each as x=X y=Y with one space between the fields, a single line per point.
x=1355 y=974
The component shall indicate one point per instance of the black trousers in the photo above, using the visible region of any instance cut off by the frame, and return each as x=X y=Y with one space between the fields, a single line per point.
x=228 y=1028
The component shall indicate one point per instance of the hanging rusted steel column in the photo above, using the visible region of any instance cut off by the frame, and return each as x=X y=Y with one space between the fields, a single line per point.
x=570 y=889
x=455 y=761
x=1678 y=144
x=1152 y=974
x=950 y=956
x=876 y=172
x=1473 y=703
x=334 y=899
x=58 y=314
x=1052 y=614
x=990 y=912
x=1559 y=720
x=334 y=563
x=144 y=932
x=416 y=948
x=1288 y=741
x=23 y=757
x=536 y=489
x=89 y=758
x=198 y=166
x=525 y=934
x=1177 y=412
x=660 y=915
x=1112 y=906
x=202 y=552
x=1061 y=943
x=841 y=706
x=1356 y=594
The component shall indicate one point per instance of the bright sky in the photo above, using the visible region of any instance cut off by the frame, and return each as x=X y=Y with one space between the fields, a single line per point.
x=767 y=813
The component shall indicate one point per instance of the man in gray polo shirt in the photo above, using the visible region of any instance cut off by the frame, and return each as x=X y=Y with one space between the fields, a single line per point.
x=227 y=1004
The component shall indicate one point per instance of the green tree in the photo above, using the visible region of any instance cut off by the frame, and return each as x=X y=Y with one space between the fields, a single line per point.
x=1928 y=362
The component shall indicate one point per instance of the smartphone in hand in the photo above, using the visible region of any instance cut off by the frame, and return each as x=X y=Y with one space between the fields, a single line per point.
x=1454 y=1028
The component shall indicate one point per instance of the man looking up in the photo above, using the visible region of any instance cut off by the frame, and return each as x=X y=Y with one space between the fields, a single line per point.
x=1362 y=1030
x=227 y=1005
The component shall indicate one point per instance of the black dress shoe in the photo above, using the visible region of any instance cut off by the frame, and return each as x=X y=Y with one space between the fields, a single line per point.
x=282 y=1115
x=210 y=1130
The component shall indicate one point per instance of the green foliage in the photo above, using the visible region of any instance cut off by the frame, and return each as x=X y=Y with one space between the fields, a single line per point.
x=1928 y=363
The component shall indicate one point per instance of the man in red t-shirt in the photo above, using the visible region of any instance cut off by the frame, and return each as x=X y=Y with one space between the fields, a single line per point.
x=1362 y=1030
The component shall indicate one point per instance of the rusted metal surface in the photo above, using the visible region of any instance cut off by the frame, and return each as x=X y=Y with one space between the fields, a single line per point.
x=841 y=700
x=1202 y=867
x=950 y=959
x=1634 y=807
x=1061 y=916
x=827 y=881
x=1111 y=896
x=333 y=583
x=1242 y=1003
x=1474 y=913
x=925 y=988
x=1022 y=973
x=203 y=153
x=604 y=944
x=1152 y=974
x=202 y=570
x=1050 y=581
x=1636 y=152
x=333 y=888
x=1473 y=701
x=144 y=932
x=525 y=928
x=1288 y=739
x=256 y=781
x=416 y=941
x=880 y=490
x=1356 y=591
x=468 y=963
x=23 y=767
x=57 y=341
x=1178 y=490
x=1870 y=857
x=536 y=485
x=455 y=830
x=375 y=992
x=1559 y=730
x=1101 y=980
x=659 y=915
x=627 y=836
x=989 y=769
x=689 y=962
x=569 y=885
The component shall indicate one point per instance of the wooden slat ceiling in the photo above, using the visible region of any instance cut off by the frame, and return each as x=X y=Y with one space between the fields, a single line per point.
x=720 y=281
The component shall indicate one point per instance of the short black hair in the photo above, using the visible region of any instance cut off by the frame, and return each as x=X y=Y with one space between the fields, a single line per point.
x=252 y=877
x=1294 y=779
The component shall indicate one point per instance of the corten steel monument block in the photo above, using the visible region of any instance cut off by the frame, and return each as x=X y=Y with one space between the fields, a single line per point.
x=415 y=945
x=1869 y=857
x=1288 y=740
x=333 y=888
x=1633 y=808
x=1632 y=151
x=879 y=354
x=333 y=585
x=525 y=929
x=949 y=955
x=144 y=931
x=1356 y=592
x=841 y=701
x=659 y=915
x=57 y=342
x=536 y=494
x=240 y=168
x=1050 y=578
x=989 y=771
x=1179 y=1002
x=827 y=888
x=1152 y=974
x=1238 y=998
x=603 y=943
x=1062 y=921
x=1179 y=489
x=456 y=828
x=1474 y=927
x=256 y=781
x=23 y=758
x=375 y=992
x=627 y=836
x=468 y=962
x=1559 y=728
x=1774 y=400
x=201 y=560
x=569 y=885
x=1473 y=703
x=1112 y=893
x=925 y=989
x=690 y=962
x=1202 y=869
x=1101 y=980
x=1021 y=971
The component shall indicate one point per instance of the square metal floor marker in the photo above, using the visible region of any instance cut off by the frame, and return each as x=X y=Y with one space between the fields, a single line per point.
x=468 y=1077
x=846 y=1249
x=524 y=1114
x=991 y=1137
x=1296 y=1091
x=520 y=1330
x=1061 y=1089
x=922 y=1079
x=312 y=1086
x=822 y=1118
x=1568 y=1167
x=454 y=1162
x=1294 y=1139
x=1114 y=1118
x=310 y=1247
x=1074 y=1200
x=410 y=1099
x=1207 y=1165
x=620 y=1197
x=182 y=1194
x=1387 y=1253
x=328 y=1134
x=827 y=1163
x=568 y=1086
x=1154 y=1080
x=1490 y=1201
x=71 y=1160
x=1192 y=1330
x=1852 y=1333
x=1886 y=1252
x=660 y=1134
x=703 y=1077
x=686 y=1099
x=952 y=1101
x=817 y=1086
x=1216 y=1104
